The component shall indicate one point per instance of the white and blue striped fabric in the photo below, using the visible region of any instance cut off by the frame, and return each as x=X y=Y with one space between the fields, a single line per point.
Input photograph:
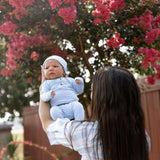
x=78 y=136
x=61 y=130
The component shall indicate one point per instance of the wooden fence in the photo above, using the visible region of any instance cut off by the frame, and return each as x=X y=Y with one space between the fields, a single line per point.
x=150 y=98
x=33 y=130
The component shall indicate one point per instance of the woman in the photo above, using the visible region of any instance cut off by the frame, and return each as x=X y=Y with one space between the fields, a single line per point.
x=116 y=128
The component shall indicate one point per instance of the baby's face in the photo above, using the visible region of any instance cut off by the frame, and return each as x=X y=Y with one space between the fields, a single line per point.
x=53 y=69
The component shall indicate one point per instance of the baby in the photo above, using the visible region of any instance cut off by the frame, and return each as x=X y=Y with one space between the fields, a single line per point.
x=61 y=91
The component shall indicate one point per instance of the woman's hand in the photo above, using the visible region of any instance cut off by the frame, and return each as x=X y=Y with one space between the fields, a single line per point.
x=43 y=75
x=44 y=107
x=42 y=78
x=44 y=114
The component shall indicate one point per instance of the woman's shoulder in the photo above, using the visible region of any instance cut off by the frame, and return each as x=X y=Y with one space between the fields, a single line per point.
x=78 y=128
x=74 y=124
x=82 y=126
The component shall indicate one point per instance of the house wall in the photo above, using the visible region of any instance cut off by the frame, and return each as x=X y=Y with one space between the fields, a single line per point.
x=4 y=134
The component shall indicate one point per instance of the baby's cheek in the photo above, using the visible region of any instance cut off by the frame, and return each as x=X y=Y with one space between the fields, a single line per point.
x=45 y=73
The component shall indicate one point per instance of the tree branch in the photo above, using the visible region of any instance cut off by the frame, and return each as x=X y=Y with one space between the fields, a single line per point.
x=89 y=67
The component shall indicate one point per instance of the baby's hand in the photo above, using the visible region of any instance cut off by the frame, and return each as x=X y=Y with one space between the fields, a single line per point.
x=78 y=81
x=53 y=94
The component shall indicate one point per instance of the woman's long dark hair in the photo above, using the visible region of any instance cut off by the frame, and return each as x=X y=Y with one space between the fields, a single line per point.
x=117 y=108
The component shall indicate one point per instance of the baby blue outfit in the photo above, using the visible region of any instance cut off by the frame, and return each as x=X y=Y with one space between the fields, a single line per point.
x=65 y=102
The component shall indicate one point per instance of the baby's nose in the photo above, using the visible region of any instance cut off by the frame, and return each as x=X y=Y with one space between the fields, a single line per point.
x=51 y=68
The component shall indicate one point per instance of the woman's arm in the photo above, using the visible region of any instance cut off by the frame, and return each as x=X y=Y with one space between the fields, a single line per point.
x=44 y=109
x=44 y=114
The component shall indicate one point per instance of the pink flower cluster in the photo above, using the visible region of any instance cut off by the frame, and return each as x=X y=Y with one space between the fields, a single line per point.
x=19 y=6
x=72 y=2
x=17 y=47
x=20 y=3
x=29 y=80
x=104 y=8
x=6 y=71
x=137 y=40
x=2 y=152
x=55 y=3
x=149 y=23
x=150 y=80
x=151 y=57
x=84 y=0
x=8 y=28
x=68 y=13
x=116 y=5
x=145 y=20
x=152 y=35
x=101 y=13
x=115 y=41
x=156 y=22
x=34 y=56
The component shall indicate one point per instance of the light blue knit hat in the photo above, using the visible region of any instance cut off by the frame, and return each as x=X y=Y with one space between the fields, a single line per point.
x=59 y=59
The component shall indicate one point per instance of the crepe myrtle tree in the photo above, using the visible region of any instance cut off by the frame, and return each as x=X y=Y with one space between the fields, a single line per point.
x=88 y=34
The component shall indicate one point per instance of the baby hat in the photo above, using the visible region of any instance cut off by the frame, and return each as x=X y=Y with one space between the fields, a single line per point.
x=59 y=59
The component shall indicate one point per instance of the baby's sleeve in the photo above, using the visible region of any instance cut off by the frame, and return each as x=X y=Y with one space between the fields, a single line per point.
x=45 y=93
x=58 y=133
x=78 y=87
x=73 y=134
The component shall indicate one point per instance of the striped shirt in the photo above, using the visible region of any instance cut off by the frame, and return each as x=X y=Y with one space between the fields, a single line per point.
x=83 y=140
